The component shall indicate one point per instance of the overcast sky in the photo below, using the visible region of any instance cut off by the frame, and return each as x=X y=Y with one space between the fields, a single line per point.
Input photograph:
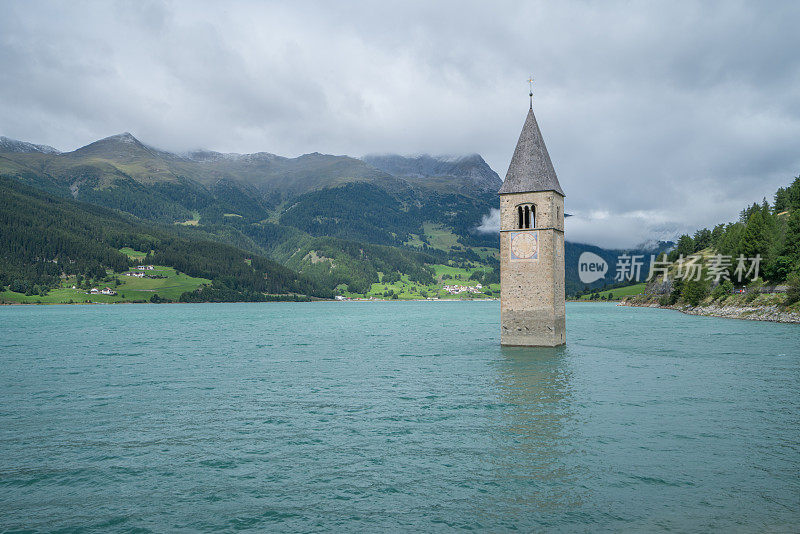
x=658 y=118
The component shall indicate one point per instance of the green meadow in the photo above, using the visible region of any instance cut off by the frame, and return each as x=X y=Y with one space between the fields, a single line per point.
x=449 y=274
x=130 y=289
x=133 y=254
x=618 y=293
x=405 y=289
x=439 y=236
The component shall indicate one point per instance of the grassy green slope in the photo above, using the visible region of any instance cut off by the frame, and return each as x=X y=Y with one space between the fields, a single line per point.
x=618 y=293
x=129 y=289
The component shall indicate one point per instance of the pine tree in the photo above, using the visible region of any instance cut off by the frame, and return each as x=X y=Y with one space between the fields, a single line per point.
x=791 y=242
x=781 y=200
x=793 y=195
x=685 y=245
x=755 y=239
x=702 y=239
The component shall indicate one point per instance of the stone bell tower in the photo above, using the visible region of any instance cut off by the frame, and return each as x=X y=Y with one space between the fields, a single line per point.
x=532 y=309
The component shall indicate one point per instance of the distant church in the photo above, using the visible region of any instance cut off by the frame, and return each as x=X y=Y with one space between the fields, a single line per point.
x=532 y=310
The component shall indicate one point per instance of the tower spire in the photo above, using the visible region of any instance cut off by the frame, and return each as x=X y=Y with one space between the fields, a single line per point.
x=531 y=169
x=530 y=90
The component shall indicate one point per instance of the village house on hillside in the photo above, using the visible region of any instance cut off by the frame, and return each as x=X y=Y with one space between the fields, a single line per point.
x=456 y=289
x=104 y=291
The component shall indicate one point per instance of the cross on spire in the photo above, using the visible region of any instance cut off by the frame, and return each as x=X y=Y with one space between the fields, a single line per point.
x=530 y=90
x=531 y=169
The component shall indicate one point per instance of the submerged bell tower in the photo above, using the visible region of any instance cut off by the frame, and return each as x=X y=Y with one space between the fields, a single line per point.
x=532 y=301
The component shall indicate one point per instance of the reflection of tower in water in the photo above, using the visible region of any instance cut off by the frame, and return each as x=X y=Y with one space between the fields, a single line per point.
x=534 y=456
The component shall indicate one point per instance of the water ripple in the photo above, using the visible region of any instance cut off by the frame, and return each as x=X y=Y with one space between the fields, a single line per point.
x=393 y=417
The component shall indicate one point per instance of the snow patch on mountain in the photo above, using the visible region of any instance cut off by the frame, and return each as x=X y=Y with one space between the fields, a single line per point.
x=210 y=156
x=12 y=145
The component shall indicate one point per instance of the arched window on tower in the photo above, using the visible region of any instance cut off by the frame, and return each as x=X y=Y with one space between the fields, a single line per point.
x=526 y=216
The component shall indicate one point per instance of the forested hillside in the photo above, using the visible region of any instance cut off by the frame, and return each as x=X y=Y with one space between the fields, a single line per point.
x=44 y=238
x=770 y=231
x=320 y=194
x=736 y=260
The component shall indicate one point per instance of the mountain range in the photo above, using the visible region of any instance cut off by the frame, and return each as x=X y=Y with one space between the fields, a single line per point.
x=123 y=156
x=418 y=210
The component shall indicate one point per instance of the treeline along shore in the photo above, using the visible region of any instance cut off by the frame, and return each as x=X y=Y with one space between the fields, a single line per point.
x=747 y=269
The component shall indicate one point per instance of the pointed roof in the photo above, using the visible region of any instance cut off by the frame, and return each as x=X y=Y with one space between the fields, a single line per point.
x=531 y=169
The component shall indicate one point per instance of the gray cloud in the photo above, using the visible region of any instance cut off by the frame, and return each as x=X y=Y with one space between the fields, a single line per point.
x=490 y=223
x=659 y=117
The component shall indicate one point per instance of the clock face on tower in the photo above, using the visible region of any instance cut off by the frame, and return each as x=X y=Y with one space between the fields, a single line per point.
x=525 y=245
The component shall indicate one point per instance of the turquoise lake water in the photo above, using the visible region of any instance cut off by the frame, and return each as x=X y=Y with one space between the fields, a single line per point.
x=394 y=416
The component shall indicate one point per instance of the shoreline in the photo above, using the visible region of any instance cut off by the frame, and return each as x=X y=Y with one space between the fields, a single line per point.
x=238 y=302
x=771 y=313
